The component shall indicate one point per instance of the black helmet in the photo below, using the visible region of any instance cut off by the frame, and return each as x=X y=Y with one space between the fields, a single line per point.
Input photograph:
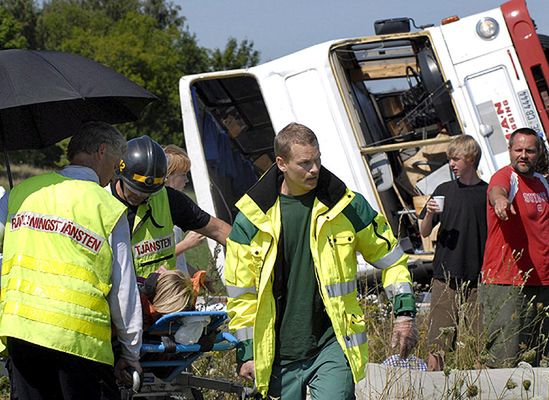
x=144 y=166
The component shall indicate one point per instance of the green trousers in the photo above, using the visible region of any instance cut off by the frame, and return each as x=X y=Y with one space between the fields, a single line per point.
x=327 y=375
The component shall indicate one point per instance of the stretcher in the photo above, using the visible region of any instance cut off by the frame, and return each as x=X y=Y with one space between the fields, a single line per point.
x=166 y=363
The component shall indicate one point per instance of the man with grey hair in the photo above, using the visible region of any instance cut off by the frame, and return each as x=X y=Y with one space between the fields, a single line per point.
x=67 y=274
x=90 y=140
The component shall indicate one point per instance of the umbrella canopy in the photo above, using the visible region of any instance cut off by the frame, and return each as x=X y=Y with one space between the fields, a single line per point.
x=45 y=96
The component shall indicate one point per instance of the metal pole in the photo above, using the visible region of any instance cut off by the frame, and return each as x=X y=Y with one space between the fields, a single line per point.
x=6 y=158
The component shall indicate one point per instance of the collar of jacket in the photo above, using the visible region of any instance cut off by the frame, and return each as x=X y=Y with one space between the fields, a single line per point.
x=264 y=193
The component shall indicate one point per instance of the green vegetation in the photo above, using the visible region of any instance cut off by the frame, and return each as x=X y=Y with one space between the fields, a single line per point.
x=148 y=41
x=4 y=388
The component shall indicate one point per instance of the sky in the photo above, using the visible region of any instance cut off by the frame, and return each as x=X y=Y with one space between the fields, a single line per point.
x=280 y=27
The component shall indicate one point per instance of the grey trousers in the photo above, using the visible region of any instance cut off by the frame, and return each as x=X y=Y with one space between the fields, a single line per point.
x=516 y=323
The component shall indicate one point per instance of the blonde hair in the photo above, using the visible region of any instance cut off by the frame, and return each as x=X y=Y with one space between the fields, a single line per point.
x=174 y=292
x=467 y=147
x=178 y=160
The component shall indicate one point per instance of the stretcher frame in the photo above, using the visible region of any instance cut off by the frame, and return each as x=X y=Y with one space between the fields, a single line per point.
x=179 y=382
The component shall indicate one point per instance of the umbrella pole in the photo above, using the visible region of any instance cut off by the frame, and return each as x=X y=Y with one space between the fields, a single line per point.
x=6 y=158
x=8 y=169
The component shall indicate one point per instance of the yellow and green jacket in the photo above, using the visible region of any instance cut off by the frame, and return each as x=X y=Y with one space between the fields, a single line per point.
x=342 y=224
x=56 y=271
x=153 y=242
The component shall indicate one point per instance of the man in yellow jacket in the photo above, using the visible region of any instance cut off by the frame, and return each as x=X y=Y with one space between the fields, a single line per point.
x=67 y=275
x=291 y=277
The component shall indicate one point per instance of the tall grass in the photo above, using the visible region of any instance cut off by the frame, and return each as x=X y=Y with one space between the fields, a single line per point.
x=4 y=388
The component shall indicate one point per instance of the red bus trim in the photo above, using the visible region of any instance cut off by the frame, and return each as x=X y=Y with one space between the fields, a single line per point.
x=529 y=51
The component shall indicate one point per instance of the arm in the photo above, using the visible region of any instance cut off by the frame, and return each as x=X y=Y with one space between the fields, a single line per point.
x=189 y=217
x=498 y=199
x=501 y=190
x=217 y=230
x=241 y=291
x=380 y=248
x=426 y=218
x=191 y=240
x=497 y=193
x=124 y=303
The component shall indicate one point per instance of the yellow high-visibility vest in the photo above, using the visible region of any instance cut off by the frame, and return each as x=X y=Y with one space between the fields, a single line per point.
x=153 y=242
x=56 y=271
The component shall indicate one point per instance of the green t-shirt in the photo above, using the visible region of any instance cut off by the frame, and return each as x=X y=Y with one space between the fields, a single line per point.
x=304 y=327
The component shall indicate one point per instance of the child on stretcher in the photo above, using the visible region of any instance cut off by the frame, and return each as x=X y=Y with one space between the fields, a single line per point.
x=168 y=291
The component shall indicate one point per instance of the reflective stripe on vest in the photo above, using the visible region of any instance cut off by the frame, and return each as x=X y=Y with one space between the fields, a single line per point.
x=244 y=334
x=235 y=291
x=53 y=293
x=389 y=259
x=56 y=267
x=341 y=289
x=355 y=340
x=61 y=320
x=398 y=288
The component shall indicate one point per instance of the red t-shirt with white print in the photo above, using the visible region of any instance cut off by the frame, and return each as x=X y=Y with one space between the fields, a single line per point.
x=517 y=250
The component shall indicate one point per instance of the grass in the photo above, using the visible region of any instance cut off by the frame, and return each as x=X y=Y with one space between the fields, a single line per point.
x=4 y=388
x=19 y=173
x=199 y=256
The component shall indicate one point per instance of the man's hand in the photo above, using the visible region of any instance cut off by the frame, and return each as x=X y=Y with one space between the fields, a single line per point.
x=121 y=370
x=498 y=198
x=501 y=205
x=246 y=370
x=405 y=335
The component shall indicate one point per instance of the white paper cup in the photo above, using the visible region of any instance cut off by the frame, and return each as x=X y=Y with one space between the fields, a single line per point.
x=440 y=202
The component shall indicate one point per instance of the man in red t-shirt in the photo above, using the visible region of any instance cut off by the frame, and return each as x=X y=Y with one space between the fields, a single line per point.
x=515 y=272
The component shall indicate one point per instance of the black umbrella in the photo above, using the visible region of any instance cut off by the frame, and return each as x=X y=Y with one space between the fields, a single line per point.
x=46 y=95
